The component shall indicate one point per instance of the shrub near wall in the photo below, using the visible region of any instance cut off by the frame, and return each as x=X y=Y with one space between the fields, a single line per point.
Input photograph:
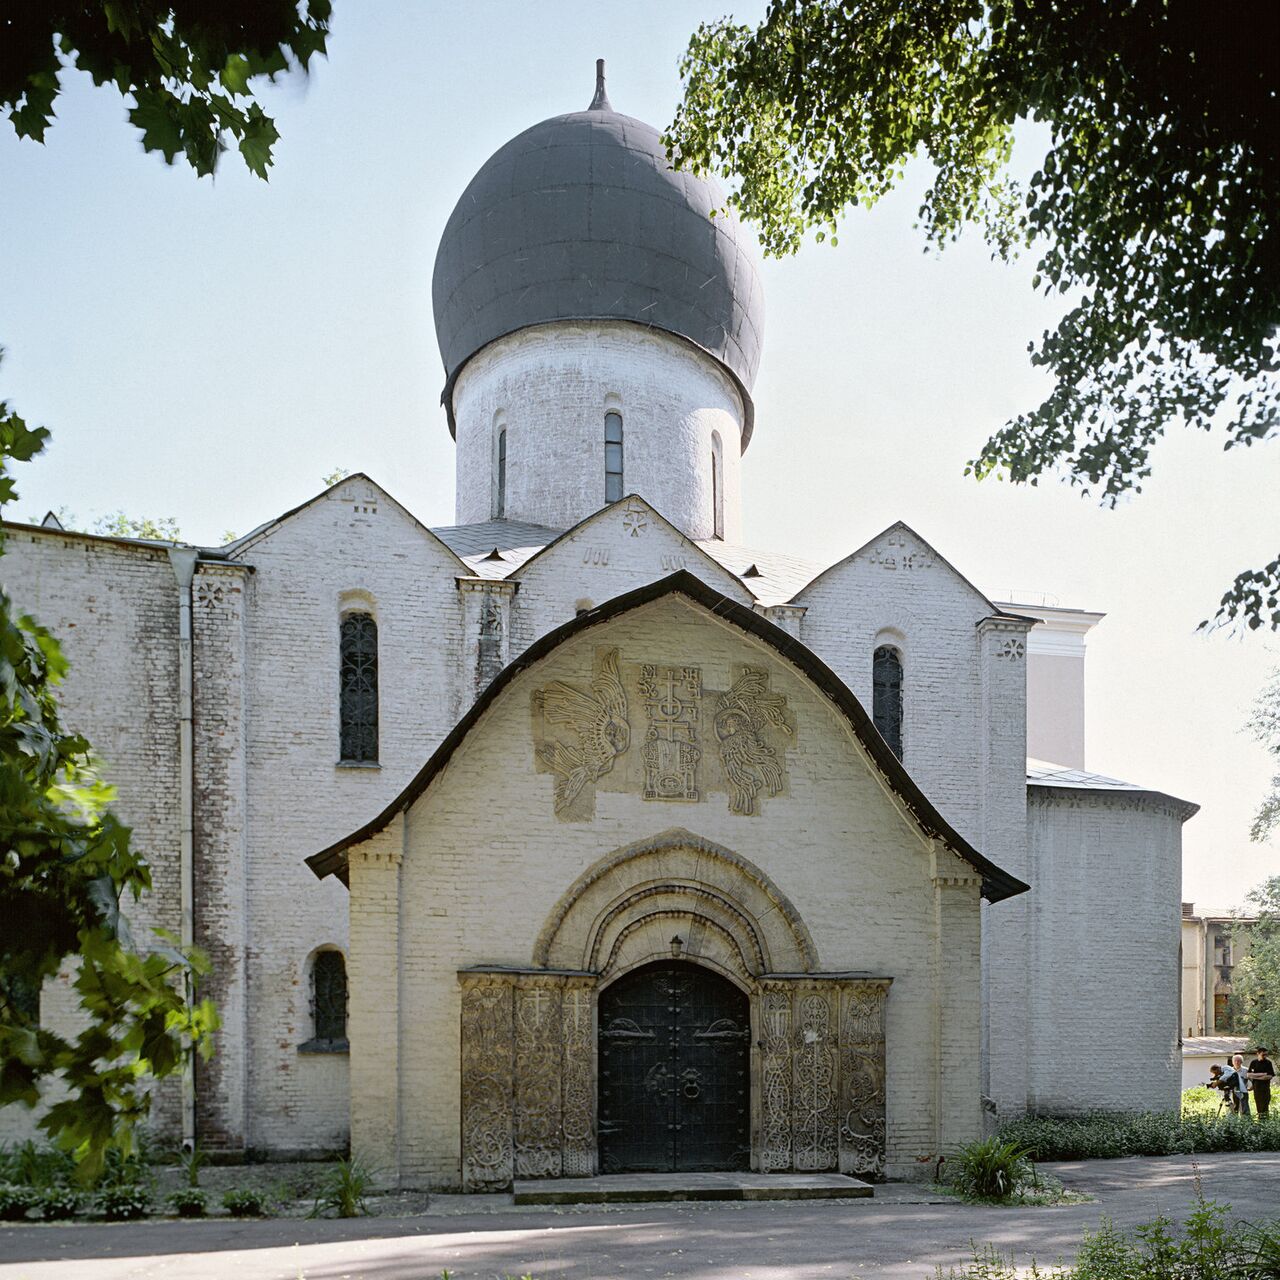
x=1109 y=1135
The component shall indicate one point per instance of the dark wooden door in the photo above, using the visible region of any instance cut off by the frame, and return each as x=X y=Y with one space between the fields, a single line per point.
x=674 y=1065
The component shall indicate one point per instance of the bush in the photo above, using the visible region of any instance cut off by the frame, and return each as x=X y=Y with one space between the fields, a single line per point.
x=15 y=1201
x=28 y=1165
x=343 y=1191
x=989 y=1170
x=1107 y=1135
x=59 y=1202
x=123 y=1201
x=188 y=1202
x=246 y=1202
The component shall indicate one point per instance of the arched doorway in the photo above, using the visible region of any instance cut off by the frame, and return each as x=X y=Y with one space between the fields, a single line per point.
x=674 y=1071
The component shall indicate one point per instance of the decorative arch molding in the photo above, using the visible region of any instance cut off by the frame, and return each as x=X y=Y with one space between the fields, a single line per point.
x=699 y=907
x=682 y=874
x=716 y=946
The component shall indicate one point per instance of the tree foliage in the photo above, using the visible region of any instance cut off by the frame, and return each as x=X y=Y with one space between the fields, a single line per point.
x=119 y=525
x=66 y=869
x=1264 y=725
x=185 y=65
x=1156 y=208
x=1255 y=980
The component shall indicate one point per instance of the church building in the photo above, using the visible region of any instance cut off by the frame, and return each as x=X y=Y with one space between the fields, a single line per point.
x=581 y=835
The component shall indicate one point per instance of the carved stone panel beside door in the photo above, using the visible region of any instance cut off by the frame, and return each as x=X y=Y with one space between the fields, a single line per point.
x=528 y=1083
x=822 y=1072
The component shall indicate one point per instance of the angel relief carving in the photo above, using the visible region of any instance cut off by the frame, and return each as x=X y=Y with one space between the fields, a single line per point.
x=599 y=722
x=742 y=716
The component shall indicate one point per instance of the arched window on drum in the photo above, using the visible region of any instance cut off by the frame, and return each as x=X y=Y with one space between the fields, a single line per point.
x=886 y=696
x=613 y=456
x=717 y=486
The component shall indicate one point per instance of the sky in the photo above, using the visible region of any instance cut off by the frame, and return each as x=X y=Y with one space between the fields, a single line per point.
x=209 y=350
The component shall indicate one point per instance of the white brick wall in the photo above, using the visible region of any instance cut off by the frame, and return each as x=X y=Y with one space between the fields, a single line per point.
x=352 y=548
x=552 y=385
x=964 y=730
x=114 y=608
x=1102 y=978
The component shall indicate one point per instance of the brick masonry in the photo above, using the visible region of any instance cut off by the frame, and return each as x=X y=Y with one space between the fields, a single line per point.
x=270 y=790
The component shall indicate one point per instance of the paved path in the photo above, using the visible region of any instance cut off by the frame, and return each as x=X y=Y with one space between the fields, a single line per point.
x=900 y=1235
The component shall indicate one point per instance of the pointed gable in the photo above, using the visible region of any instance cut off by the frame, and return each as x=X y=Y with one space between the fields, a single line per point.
x=617 y=549
x=897 y=554
x=355 y=502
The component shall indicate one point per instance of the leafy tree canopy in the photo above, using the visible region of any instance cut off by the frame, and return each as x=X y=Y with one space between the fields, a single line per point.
x=1264 y=725
x=1156 y=208
x=119 y=525
x=1255 y=981
x=186 y=66
x=66 y=866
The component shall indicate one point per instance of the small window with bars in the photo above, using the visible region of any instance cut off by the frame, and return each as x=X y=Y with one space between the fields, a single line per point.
x=358 y=689
x=329 y=1000
x=886 y=696
x=612 y=457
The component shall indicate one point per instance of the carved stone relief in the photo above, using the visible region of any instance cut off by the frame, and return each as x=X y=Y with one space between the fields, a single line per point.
x=775 y=1081
x=487 y=1066
x=862 y=1069
x=584 y=736
x=598 y=722
x=814 y=1104
x=673 y=704
x=489 y=646
x=742 y=717
x=538 y=1031
x=578 y=1089
x=635 y=519
x=822 y=1071
x=528 y=1079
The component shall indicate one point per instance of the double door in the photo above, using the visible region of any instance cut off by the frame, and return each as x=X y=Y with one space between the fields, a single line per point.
x=674 y=1072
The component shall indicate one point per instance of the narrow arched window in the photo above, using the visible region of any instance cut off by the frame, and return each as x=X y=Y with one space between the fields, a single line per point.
x=358 y=689
x=500 y=478
x=612 y=457
x=329 y=997
x=717 y=485
x=886 y=696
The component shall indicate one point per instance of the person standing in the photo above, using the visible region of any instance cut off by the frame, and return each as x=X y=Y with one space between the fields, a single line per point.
x=1261 y=1071
x=1240 y=1086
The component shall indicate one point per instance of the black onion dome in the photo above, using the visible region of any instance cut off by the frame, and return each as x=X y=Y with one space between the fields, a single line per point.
x=582 y=217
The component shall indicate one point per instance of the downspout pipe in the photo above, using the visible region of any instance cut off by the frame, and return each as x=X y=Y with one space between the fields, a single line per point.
x=183 y=561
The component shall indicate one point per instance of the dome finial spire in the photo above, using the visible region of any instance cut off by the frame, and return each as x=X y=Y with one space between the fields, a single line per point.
x=601 y=101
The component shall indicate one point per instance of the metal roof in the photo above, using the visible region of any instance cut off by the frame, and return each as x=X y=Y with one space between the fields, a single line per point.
x=1042 y=773
x=582 y=217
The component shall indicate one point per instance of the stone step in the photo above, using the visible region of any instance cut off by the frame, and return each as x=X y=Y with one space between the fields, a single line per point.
x=634 y=1188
